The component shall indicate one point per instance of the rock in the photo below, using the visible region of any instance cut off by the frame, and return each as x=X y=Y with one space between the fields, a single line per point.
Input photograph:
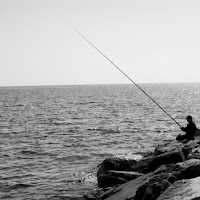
x=89 y=197
x=164 y=159
x=124 y=174
x=127 y=190
x=149 y=177
x=186 y=170
x=194 y=154
x=165 y=154
x=116 y=164
x=154 y=162
x=105 y=181
x=183 y=190
x=182 y=170
x=112 y=178
x=176 y=146
x=169 y=146
x=155 y=186
x=141 y=166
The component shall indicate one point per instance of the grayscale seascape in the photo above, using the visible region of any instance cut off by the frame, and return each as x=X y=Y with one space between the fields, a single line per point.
x=53 y=138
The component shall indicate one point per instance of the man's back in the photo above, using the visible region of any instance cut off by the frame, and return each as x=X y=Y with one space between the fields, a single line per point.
x=190 y=130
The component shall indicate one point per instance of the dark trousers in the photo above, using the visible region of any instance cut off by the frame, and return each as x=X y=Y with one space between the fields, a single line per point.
x=183 y=137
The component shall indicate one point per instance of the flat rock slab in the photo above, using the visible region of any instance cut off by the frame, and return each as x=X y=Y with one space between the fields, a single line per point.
x=127 y=190
x=124 y=174
x=183 y=190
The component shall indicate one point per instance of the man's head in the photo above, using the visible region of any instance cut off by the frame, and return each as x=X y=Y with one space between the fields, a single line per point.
x=189 y=118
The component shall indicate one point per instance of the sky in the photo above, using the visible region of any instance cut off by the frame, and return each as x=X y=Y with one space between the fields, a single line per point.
x=155 y=41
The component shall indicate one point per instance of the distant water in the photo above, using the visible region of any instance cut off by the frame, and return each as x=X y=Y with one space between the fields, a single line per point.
x=53 y=138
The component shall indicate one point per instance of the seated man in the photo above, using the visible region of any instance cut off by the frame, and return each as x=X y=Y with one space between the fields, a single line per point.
x=190 y=130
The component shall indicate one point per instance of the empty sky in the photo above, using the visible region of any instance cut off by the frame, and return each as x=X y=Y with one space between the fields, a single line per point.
x=151 y=41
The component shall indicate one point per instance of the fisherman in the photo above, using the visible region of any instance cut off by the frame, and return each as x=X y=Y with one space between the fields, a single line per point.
x=189 y=130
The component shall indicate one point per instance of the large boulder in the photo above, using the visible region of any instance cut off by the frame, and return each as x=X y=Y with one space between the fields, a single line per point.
x=182 y=190
x=155 y=186
x=152 y=163
x=186 y=170
x=105 y=181
x=172 y=146
x=167 y=153
x=168 y=146
x=164 y=154
x=116 y=164
x=127 y=190
x=112 y=178
x=151 y=185
x=182 y=170
x=145 y=187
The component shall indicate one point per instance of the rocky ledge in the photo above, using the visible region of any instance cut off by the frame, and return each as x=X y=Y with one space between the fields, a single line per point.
x=171 y=172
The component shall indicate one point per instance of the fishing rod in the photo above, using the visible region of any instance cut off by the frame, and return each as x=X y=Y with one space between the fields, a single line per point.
x=125 y=75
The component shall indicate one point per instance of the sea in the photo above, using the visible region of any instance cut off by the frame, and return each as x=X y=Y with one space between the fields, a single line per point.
x=53 y=138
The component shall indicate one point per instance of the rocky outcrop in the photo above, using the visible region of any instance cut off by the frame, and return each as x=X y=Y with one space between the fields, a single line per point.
x=183 y=190
x=153 y=176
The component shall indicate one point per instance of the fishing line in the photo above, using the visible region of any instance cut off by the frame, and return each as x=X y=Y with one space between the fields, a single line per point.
x=125 y=75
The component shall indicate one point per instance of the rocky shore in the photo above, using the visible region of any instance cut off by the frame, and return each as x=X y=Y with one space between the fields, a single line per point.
x=170 y=172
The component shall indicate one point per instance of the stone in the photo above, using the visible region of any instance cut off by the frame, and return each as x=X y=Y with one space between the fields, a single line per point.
x=154 y=162
x=150 y=177
x=186 y=170
x=182 y=190
x=105 y=181
x=124 y=174
x=127 y=190
x=168 y=146
x=155 y=186
x=182 y=170
x=116 y=164
x=194 y=154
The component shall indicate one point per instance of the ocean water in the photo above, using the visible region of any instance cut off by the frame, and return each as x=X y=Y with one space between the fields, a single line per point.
x=53 y=138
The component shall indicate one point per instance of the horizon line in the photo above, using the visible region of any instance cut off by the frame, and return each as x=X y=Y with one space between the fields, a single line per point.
x=94 y=84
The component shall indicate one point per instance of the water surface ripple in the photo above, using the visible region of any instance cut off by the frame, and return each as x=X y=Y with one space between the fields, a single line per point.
x=53 y=138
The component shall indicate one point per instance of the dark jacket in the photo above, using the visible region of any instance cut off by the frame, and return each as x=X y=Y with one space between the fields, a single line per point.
x=190 y=130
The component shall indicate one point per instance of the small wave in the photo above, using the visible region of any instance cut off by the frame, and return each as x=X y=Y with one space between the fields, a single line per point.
x=7 y=188
x=76 y=118
x=128 y=121
x=85 y=103
x=78 y=144
x=5 y=155
x=61 y=123
x=31 y=153
x=67 y=197
x=50 y=132
x=130 y=156
x=7 y=197
x=71 y=131
x=18 y=186
x=108 y=131
x=17 y=177
x=19 y=105
x=28 y=152
x=89 y=178
x=103 y=155
x=91 y=129
x=74 y=158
